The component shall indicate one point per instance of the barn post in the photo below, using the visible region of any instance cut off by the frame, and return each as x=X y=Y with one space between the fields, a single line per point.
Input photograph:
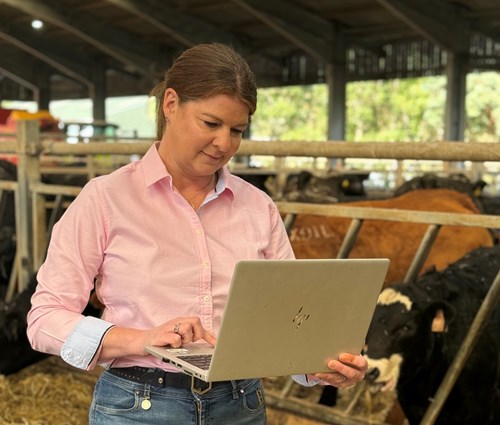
x=455 y=114
x=456 y=92
x=98 y=90
x=336 y=80
x=28 y=141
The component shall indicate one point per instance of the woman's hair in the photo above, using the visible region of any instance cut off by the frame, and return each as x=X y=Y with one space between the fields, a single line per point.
x=203 y=71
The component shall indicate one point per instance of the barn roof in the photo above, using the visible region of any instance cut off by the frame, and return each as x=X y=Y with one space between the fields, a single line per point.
x=285 y=41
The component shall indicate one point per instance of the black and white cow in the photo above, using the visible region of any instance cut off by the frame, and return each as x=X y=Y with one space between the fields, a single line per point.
x=458 y=182
x=417 y=330
x=308 y=187
x=487 y=204
x=8 y=171
x=16 y=352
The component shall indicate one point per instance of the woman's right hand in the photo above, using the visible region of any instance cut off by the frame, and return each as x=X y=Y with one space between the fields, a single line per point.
x=178 y=332
x=120 y=342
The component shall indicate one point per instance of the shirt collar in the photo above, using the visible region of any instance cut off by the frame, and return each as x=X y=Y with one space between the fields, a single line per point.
x=155 y=170
x=153 y=167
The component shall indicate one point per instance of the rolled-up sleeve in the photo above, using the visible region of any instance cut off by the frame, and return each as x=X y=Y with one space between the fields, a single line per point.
x=65 y=282
x=83 y=344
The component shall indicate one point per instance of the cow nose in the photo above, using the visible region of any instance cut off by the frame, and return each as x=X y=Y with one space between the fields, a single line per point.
x=372 y=374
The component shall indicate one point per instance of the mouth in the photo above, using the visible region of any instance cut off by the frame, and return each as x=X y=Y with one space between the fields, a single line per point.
x=384 y=373
x=213 y=158
x=382 y=386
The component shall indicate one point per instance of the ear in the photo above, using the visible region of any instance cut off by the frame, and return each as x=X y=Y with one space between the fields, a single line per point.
x=170 y=102
x=444 y=314
x=439 y=322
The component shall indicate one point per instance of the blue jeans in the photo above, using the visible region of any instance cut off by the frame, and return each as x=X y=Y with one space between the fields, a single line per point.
x=119 y=401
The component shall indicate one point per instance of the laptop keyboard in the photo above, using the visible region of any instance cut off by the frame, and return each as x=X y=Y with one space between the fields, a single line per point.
x=200 y=360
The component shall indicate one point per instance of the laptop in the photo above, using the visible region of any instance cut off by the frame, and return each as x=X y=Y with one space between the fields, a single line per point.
x=286 y=317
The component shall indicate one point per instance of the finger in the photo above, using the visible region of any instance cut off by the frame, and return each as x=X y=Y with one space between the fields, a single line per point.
x=170 y=338
x=208 y=337
x=357 y=361
x=187 y=336
x=199 y=332
x=351 y=373
x=335 y=379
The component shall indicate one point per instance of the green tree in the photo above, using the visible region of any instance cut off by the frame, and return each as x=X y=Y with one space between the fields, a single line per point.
x=395 y=110
x=483 y=107
x=406 y=110
x=291 y=113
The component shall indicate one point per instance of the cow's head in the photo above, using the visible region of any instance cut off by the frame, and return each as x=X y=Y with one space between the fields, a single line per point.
x=306 y=187
x=402 y=333
x=331 y=188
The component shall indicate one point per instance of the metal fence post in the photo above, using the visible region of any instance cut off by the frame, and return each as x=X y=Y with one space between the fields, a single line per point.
x=28 y=142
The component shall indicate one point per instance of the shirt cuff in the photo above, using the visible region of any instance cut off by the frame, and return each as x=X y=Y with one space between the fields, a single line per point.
x=306 y=381
x=83 y=343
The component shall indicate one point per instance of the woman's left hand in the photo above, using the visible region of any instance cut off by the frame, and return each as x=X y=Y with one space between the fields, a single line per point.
x=347 y=371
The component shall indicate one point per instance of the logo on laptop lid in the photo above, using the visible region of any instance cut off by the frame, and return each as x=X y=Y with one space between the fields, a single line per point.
x=300 y=318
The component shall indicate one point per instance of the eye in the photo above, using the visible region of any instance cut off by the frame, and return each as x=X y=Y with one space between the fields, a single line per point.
x=404 y=329
x=237 y=132
x=211 y=124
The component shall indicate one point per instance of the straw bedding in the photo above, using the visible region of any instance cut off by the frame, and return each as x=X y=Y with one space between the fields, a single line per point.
x=52 y=393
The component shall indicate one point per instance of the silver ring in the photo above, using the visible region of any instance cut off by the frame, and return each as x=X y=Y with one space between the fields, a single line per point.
x=343 y=379
x=177 y=327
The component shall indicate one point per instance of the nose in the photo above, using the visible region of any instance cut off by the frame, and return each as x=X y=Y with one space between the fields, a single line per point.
x=222 y=140
x=372 y=374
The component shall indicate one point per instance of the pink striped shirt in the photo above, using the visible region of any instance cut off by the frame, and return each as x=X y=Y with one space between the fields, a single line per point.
x=154 y=257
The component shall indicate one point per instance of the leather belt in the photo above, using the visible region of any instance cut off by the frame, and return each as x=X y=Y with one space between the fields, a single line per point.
x=160 y=378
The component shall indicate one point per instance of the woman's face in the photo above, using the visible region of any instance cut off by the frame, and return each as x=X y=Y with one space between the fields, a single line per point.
x=203 y=135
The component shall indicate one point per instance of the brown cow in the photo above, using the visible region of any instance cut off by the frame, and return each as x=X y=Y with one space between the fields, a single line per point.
x=314 y=236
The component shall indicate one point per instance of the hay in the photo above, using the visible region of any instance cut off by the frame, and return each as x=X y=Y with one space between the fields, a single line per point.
x=51 y=392
x=46 y=394
x=355 y=402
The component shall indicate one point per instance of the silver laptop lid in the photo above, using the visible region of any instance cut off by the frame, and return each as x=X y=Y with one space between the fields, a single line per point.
x=291 y=316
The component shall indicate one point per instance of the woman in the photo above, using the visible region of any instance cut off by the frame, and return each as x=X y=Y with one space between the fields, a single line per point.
x=160 y=237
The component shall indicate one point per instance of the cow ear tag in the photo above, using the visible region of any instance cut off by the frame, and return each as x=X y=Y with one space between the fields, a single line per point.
x=439 y=322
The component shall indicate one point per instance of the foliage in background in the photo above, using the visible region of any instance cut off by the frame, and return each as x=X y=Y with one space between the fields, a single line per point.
x=483 y=107
x=395 y=110
x=409 y=110
x=291 y=113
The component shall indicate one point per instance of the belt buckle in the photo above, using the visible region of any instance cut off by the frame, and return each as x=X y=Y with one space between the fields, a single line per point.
x=198 y=390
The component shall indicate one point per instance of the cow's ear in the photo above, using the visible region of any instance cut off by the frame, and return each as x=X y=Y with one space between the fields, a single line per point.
x=444 y=314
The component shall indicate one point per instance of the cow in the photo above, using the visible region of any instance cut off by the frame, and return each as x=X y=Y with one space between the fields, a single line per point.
x=16 y=352
x=458 y=182
x=8 y=172
x=308 y=187
x=314 y=236
x=487 y=204
x=262 y=180
x=416 y=331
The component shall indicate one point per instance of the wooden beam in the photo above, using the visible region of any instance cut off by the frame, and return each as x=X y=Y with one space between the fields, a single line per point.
x=121 y=45
x=391 y=214
x=38 y=47
x=186 y=29
x=288 y=23
x=20 y=70
x=440 y=22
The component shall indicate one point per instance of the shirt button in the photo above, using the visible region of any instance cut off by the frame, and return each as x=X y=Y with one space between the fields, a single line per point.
x=206 y=298
x=198 y=232
x=205 y=264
